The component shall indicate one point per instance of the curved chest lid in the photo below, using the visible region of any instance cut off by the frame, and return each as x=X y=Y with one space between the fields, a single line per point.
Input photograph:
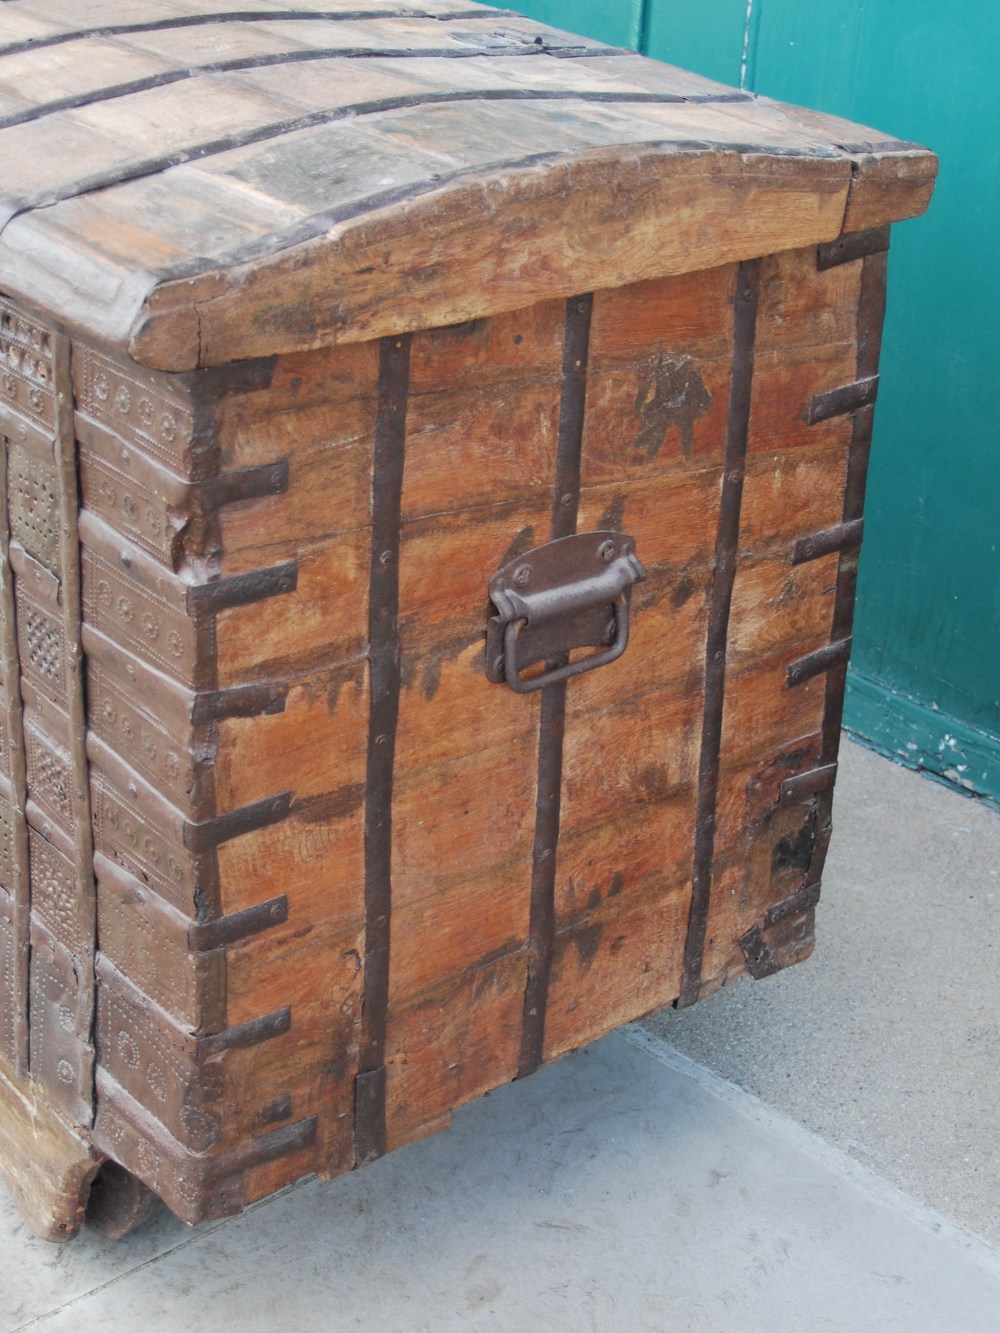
x=196 y=183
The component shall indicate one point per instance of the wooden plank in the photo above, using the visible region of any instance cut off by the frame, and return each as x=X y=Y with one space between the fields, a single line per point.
x=314 y=970
x=744 y=205
x=17 y=875
x=746 y=295
x=78 y=796
x=617 y=963
x=790 y=496
x=320 y=623
x=464 y=448
x=776 y=603
x=328 y=452
x=552 y=719
x=671 y=518
x=462 y=847
x=40 y=77
x=667 y=623
x=165 y=120
x=453 y=1045
x=633 y=729
x=891 y=180
x=19 y=28
x=46 y=1166
x=789 y=679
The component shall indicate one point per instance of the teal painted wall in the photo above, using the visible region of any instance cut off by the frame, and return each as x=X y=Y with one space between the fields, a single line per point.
x=925 y=677
x=707 y=37
x=617 y=22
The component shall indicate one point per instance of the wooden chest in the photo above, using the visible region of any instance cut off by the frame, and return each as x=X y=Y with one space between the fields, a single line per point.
x=434 y=451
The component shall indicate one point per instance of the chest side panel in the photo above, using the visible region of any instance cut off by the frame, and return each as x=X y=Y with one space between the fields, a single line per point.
x=345 y=883
x=508 y=875
x=47 y=851
x=153 y=487
x=819 y=332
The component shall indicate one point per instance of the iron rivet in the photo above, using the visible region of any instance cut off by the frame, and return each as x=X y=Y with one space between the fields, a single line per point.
x=126 y=560
x=522 y=575
x=126 y=456
x=385 y=559
x=606 y=551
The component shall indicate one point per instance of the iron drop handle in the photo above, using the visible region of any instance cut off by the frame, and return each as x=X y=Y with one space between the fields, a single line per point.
x=571 y=593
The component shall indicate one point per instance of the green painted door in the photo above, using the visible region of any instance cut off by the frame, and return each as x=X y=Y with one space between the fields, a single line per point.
x=925 y=678
x=617 y=22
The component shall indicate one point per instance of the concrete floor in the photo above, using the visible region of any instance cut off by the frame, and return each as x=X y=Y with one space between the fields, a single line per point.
x=628 y=1188
x=887 y=1041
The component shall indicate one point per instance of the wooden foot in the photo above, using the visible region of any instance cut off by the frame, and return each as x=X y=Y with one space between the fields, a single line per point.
x=46 y=1167
x=119 y=1202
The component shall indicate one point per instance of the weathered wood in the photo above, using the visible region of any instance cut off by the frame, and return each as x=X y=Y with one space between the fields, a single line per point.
x=746 y=298
x=46 y=1166
x=119 y=1203
x=441 y=130
x=16 y=877
x=463 y=848
x=301 y=336
x=789 y=645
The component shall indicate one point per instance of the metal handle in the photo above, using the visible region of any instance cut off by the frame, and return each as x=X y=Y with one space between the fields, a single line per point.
x=527 y=685
x=572 y=593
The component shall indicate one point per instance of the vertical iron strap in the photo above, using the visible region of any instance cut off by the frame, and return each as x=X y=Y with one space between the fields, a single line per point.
x=384 y=679
x=726 y=555
x=565 y=508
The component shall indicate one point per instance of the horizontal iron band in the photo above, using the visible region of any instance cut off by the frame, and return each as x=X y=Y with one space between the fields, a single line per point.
x=806 y=897
x=839 y=538
x=242 y=589
x=841 y=402
x=202 y=837
x=852 y=245
x=236 y=926
x=248 y=483
x=247 y=1034
x=808 y=784
x=824 y=659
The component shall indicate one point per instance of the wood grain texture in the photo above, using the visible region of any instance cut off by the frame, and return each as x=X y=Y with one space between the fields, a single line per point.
x=317 y=286
x=46 y=1165
x=782 y=612
x=185 y=175
x=228 y=1060
x=462 y=848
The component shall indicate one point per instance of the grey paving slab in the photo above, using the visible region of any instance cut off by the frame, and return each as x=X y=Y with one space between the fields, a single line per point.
x=36 y=1277
x=622 y=1189
x=887 y=1041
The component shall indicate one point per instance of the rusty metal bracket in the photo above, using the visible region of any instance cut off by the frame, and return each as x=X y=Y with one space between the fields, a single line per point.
x=568 y=594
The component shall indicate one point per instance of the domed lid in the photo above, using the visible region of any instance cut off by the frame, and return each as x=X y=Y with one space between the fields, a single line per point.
x=197 y=185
